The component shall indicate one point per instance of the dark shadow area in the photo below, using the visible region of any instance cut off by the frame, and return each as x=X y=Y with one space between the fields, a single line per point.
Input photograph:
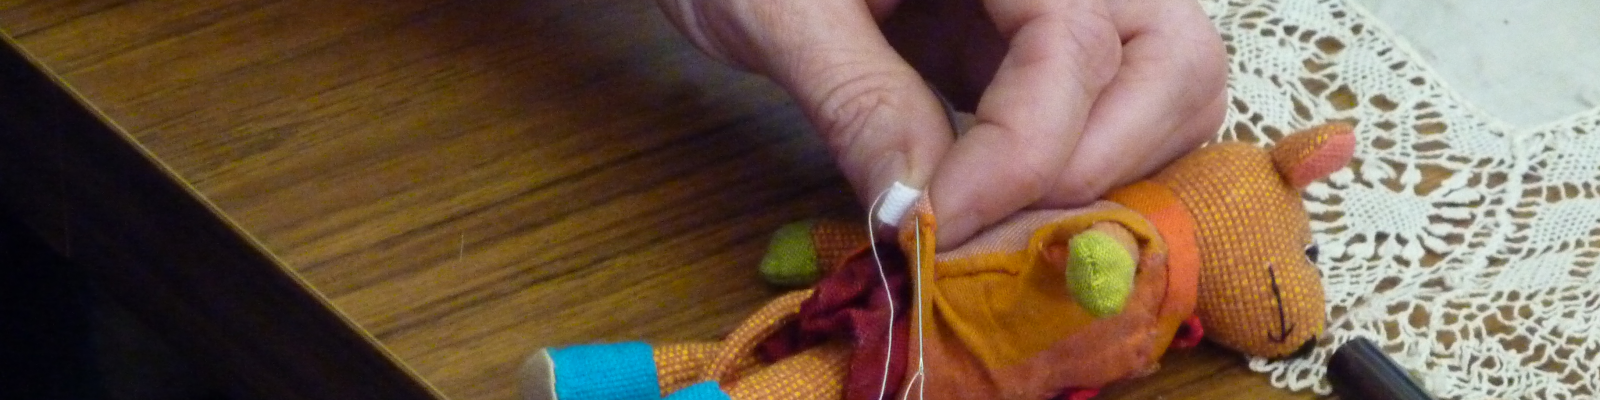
x=62 y=339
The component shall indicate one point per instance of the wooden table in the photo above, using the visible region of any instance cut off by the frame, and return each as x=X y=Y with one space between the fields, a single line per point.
x=401 y=199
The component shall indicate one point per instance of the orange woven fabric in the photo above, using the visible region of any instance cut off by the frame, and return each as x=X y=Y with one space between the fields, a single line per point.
x=678 y=365
x=1162 y=208
x=834 y=240
x=739 y=348
x=815 y=374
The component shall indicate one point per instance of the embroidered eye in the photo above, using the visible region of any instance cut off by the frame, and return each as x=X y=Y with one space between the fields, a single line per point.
x=1311 y=253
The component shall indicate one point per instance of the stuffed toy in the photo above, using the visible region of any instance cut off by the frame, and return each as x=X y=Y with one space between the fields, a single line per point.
x=1047 y=304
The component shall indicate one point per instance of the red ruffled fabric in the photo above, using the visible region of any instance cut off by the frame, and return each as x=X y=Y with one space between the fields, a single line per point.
x=851 y=304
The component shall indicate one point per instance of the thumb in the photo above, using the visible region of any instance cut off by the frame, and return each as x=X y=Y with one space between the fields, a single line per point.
x=883 y=123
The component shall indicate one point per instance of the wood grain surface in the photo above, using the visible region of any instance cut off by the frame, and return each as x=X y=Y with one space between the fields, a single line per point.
x=401 y=199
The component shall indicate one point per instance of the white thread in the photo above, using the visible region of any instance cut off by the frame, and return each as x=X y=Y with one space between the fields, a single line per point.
x=872 y=241
x=897 y=200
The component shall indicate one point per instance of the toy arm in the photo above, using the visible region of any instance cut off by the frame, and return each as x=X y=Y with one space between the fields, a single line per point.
x=1099 y=263
x=802 y=252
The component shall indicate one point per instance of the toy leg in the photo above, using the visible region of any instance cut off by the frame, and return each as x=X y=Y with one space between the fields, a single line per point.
x=817 y=374
x=636 y=370
x=679 y=365
x=676 y=366
x=803 y=252
x=619 y=371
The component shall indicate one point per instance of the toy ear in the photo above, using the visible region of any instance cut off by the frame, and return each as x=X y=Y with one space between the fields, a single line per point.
x=1312 y=154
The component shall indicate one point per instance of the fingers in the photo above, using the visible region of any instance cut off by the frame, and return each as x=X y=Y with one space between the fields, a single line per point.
x=882 y=121
x=880 y=118
x=1061 y=54
x=735 y=31
x=1087 y=95
x=1167 y=98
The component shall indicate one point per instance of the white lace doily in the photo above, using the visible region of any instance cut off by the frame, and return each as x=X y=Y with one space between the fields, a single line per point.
x=1466 y=247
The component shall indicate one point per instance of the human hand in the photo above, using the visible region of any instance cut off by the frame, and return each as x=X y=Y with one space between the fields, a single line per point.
x=1071 y=97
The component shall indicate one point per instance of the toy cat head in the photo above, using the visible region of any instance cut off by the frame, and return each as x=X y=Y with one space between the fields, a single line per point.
x=1260 y=291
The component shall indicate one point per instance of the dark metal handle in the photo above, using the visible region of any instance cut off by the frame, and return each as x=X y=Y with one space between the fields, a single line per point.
x=1359 y=370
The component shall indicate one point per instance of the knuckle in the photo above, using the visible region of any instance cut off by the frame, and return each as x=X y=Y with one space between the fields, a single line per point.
x=1030 y=172
x=850 y=113
x=1094 y=42
x=1083 y=188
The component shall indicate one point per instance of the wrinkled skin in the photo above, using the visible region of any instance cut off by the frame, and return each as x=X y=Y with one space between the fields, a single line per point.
x=1071 y=98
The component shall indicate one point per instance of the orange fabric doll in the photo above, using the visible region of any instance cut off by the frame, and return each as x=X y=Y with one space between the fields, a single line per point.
x=1046 y=304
